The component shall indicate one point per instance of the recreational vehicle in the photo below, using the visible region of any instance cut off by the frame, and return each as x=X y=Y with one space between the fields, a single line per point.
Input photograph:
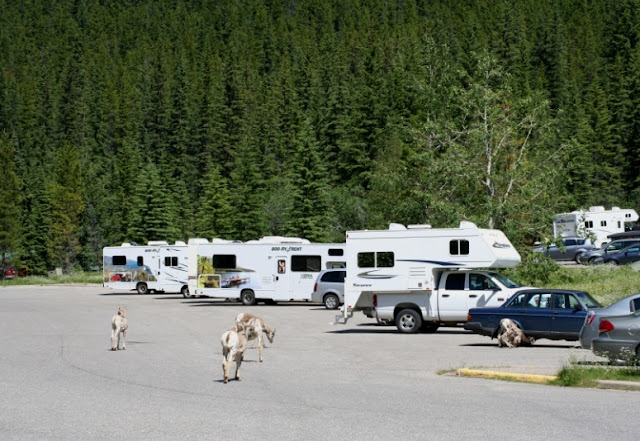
x=156 y=266
x=417 y=276
x=596 y=223
x=272 y=269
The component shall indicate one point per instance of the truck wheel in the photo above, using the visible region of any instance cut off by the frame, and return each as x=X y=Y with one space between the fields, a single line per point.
x=429 y=327
x=185 y=292
x=408 y=321
x=142 y=288
x=248 y=297
x=331 y=301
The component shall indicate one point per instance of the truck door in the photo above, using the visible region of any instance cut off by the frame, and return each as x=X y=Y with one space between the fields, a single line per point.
x=483 y=292
x=452 y=296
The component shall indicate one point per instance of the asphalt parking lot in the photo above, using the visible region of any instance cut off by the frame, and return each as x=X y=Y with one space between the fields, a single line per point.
x=59 y=380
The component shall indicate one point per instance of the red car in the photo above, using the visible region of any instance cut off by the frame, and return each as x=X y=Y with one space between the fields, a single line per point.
x=9 y=273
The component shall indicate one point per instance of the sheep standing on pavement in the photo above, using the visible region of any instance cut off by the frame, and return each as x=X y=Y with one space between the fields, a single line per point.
x=258 y=327
x=119 y=327
x=234 y=343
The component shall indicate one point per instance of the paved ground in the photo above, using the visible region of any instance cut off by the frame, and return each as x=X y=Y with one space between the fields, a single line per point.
x=59 y=380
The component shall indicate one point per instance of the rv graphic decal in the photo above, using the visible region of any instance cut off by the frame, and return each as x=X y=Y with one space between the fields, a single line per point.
x=209 y=277
x=130 y=272
x=434 y=262
x=369 y=275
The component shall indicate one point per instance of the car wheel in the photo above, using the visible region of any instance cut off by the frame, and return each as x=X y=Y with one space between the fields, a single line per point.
x=142 y=288
x=577 y=257
x=408 y=321
x=592 y=260
x=185 y=292
x=331 y=301
x=248 y=297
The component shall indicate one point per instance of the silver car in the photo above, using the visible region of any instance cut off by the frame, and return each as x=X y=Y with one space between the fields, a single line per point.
x=572 y=248
x=329 y=288
x=592 y=320
x=619 y=338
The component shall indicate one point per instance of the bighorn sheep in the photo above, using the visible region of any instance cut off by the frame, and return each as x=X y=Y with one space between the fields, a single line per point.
x=119 y=327
x=511 y=335
x=234 y=343
x=258 y=327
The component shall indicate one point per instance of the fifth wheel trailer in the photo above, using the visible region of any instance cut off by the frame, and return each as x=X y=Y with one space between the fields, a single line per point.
x=395 y=274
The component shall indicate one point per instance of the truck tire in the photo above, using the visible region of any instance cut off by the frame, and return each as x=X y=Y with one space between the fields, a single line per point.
x=248 y=297
x=142 y=288
x=408 y=321
x=331 y=301
x=185 y=292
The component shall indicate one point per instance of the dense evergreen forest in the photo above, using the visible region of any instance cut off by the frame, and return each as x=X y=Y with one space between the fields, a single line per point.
x=165 y=119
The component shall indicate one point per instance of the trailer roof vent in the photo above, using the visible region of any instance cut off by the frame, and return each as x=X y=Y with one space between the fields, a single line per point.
x=596 y=209
x=157 y=242
x=467 y=224
x=198 y=240
x=126 y=244
x=396 y=227
x=180 y=243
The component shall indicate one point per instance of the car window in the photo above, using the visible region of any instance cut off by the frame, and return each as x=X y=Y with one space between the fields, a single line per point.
x=587 y=300
x=533 y=300
x=334 y=276
x=635 y=305
x=505 y=280
x=580 y=241
x=479 y=282
x=569 y=242
x=565 y=301
x=455 y=281
x=633 y=250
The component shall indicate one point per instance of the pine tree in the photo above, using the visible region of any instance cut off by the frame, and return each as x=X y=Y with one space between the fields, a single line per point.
x=10 y=200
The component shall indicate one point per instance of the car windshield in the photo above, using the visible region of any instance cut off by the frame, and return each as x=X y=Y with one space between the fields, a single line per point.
x=505 y=280
x=588 y=301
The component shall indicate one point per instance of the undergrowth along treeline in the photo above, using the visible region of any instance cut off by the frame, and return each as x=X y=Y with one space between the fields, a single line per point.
x=164 y=120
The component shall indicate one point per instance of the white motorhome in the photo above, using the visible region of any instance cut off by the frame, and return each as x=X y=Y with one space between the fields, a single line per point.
x=272 y=269
x=596 y=223
x=405 y=275
x=154 y=267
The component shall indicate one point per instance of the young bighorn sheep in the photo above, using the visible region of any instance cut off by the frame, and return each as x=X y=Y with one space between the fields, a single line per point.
x=234 y=343
x=119 y=327
x=511 y=335
x=258 y=327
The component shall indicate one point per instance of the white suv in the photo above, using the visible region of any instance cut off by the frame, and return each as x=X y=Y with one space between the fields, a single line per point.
x=329 y=288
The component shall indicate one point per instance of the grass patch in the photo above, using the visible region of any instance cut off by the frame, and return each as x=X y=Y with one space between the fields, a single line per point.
x=585 y=376
x=75 y=277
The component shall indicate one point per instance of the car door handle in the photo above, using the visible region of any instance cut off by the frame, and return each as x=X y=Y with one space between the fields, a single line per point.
x=473 y=296
x=445 y=295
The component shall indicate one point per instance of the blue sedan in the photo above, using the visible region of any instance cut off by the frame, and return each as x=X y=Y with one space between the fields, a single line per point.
x=555 y=314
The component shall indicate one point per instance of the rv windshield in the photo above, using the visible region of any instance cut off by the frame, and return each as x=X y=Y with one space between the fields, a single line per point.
x=505 y=281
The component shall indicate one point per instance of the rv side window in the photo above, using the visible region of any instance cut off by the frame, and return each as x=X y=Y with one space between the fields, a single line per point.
x=588 y=224
x=603 y=223
x=224 y=261
x=455 y=281
x=336 y=252
x=119 y=260
x=170 y=261
x=140 y=261
x=366 y=260
x=336 y=265
x=459 y=247
x=306 y=263
x=384 y=260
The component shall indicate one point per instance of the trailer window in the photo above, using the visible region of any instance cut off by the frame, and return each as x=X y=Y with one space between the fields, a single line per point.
x=459 y=247
x=170 y=261
x=140 y=261
x=384 y=260
x=306 y=264
x=224 y=261
x=588 y=224
x=336 y=252
x=119 y=260
x=366 y=260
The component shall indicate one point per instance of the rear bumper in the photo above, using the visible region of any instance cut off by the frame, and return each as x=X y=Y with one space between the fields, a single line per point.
x=478 y=329
x=614 y=349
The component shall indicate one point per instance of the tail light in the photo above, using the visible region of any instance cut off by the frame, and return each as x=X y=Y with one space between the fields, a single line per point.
x=375 y=300
x=605 y=326
x=315 y=287
x=590 y=316
x=468 y=317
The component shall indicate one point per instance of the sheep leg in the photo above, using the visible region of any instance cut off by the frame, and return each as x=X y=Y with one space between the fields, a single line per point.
x=225 y=366
x=260 y=344
x=114 y=345
x=238 y=363
x=124 y=343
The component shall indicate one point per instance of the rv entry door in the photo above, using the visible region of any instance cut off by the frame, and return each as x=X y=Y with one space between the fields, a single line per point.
x=281 y=279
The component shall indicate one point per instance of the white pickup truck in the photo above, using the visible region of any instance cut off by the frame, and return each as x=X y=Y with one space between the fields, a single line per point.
x=457 y=291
